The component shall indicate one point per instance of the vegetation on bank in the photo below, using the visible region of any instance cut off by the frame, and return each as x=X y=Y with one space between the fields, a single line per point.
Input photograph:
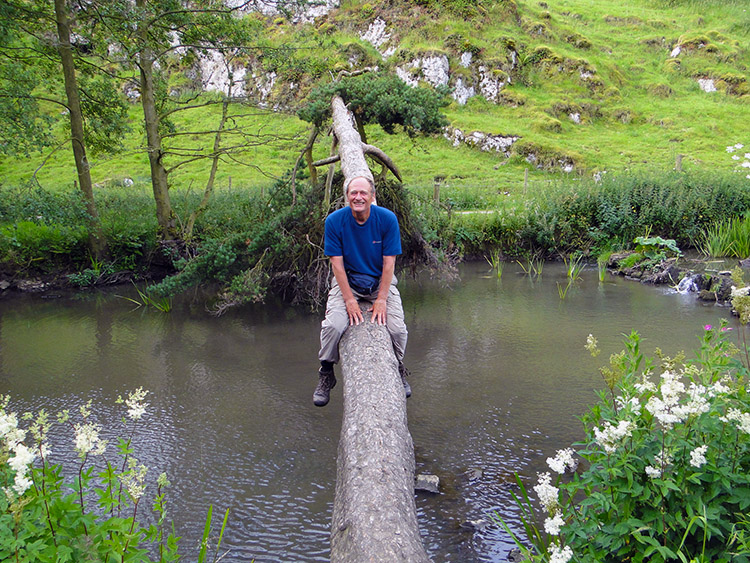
x=249 y=242
x=91 y=504
x=662 y=474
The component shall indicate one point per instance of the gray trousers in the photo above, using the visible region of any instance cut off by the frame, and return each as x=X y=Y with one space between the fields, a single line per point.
x=336 y=322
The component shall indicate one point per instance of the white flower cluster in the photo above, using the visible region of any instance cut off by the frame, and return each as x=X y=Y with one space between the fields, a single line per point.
x=134 y=480
x=563 y=461
x=698 y=456
x=667 y=408
x=745 y=163
x=610 y=437
x=559 y=554
x=87 y=439
x=549 y=499
x=634 y=404
x=547 y=493
x=742 y=419
x=552 y=525
x=135 y=403
x=11 y=440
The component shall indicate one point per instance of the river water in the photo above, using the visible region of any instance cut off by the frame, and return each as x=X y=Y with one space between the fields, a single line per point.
x=499 y=377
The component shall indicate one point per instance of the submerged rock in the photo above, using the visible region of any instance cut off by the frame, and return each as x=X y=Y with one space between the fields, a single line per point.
x=427 y=483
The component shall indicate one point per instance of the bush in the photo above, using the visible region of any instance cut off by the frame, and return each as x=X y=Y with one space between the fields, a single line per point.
x=84 y=514
x=665 y=462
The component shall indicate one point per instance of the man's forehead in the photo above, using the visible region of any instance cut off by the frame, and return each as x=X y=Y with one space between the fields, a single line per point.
x=359 y=183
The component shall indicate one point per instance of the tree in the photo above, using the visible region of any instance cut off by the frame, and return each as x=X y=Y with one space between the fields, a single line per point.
x=163 y=36
x=371 y=97
x=37 y=67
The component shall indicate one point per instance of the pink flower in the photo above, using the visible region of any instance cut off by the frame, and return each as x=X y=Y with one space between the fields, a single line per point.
x=707 y=327
x=726 y=328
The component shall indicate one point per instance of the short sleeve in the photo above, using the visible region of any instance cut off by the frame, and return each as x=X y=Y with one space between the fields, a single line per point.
x=391 y=236
x=332 y=242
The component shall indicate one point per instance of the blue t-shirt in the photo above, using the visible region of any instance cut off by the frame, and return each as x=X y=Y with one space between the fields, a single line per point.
x=363 y=246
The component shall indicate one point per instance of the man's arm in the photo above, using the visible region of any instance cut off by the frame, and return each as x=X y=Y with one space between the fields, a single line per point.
x=352 y=307
x=379 y=307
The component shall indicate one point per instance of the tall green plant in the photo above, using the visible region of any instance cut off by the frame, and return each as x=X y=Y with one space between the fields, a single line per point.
x=666 y=466
x=87 y=510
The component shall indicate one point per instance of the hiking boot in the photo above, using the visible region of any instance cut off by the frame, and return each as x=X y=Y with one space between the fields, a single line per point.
x=403 y=372
x=326 y=382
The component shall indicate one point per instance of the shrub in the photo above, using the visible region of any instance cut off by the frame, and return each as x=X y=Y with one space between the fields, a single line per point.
x=90 y=512
x=665 y=464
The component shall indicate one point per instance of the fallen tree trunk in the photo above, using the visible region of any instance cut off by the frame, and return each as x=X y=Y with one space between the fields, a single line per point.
x=374 y=511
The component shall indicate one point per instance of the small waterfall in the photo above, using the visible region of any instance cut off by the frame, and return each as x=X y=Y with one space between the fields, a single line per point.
x=688 y=284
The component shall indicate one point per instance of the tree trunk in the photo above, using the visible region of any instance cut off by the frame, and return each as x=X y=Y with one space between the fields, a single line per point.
x=374 y=511
x=353 y=163
x=164 y=213
x=97 y=243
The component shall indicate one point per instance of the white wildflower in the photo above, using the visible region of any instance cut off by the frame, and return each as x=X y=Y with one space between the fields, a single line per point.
x=609 y=437
x=730 y=148
x=562 y=461
x=645 y=385
x=592 y=345
x=8 y=423
x=747 y=155
x=718 y=388
x=741 y=418
x=134 y=480
x=21 y=484
x=546 y=492
x=667 y=409
x=740 y=292
x=735 y=157
x=136 y=405
x=698 y=456
x=559 y=554
x=87 y=439
x=745 y=164
x=738 y=146
x=23 y=456
x=653 y=472
x=552 y=525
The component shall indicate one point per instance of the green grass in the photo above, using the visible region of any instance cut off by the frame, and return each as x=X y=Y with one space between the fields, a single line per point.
x=629 y=49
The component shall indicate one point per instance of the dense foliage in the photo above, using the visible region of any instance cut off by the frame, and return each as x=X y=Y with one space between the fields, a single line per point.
x=381 y=98
x=664 y=467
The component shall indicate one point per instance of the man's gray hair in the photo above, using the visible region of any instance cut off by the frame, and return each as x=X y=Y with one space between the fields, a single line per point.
x=350 y=180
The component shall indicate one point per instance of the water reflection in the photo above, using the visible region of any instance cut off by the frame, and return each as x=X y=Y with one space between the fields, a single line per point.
x=499 y=377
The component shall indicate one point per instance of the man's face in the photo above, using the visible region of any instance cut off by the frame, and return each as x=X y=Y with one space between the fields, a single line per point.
x=359 y=195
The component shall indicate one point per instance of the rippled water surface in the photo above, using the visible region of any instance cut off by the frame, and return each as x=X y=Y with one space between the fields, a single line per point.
x=499 y=376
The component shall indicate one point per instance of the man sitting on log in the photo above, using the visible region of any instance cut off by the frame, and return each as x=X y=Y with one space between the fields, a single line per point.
x=362 y=241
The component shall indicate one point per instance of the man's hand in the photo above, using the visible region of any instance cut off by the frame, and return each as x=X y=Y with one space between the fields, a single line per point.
x=378 y=309
x=354 y=312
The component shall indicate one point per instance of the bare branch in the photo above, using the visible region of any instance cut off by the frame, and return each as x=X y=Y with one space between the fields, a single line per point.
x=325 y=161
x=381 y=157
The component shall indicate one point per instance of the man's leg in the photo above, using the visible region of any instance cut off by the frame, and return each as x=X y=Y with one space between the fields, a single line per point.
x=333 y=326
x=395 y=322
x=397 y=329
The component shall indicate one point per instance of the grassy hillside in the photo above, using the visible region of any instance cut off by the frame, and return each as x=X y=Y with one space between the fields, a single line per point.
x=587 y=82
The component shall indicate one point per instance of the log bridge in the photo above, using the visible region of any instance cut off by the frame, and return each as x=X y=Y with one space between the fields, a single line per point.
x=374 y=511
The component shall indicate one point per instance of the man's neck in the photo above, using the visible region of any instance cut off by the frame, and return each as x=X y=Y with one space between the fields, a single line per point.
x=361 y=218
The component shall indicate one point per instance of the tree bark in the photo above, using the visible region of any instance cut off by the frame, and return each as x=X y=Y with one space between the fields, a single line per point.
x=97 y=243
x=374 y=511
x=353 y=163
x=164 y=213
